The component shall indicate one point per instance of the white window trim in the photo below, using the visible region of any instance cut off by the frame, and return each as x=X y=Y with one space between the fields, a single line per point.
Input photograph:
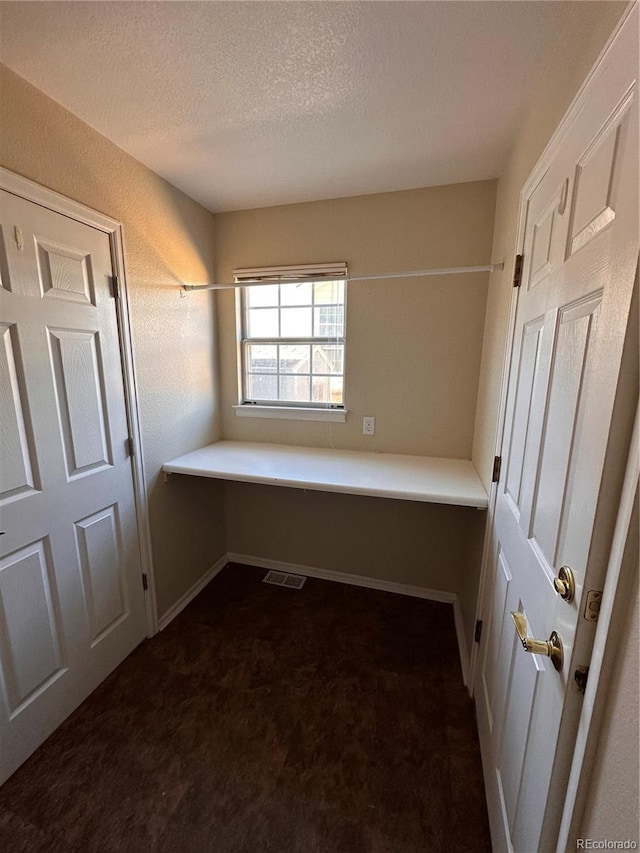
x=291 y=413
x=279 y=411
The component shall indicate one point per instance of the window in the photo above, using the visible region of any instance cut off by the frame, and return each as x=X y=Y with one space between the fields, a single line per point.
x=292 y=338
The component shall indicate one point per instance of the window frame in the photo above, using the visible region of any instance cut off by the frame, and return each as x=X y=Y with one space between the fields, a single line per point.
x=297 y=410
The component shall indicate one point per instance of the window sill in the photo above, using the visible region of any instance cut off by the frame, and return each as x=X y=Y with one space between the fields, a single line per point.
x=293 y=413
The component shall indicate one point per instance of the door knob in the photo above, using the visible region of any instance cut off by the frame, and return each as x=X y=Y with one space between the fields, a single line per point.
x=565 y=584
x=551 y=648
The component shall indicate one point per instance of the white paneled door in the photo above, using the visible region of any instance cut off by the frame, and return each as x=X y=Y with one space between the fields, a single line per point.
x=579 y=260
x=71 y=597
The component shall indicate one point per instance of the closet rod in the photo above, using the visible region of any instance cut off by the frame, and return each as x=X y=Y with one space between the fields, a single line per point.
x=349 y=278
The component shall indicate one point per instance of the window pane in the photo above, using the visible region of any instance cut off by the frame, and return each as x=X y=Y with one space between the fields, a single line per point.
x=294 y=388
x=329 y=292
x=262 y=295
x=262 y=359
x=262 y=387
x=329 y=321
x=336 y=390
x=328 y=359
x=295 y=294
x=296 y=322
x=263 y=323
x=320 y=389
x=294 y=358
x=308 y=372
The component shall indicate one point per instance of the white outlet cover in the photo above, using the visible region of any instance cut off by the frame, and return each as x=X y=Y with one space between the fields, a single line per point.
x=368 y=426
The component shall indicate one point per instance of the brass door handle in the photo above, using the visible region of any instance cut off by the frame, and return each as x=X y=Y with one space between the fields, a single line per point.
x=551 y=648
x=565 y=584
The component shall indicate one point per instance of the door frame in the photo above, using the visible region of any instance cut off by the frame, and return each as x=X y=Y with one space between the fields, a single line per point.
x=621 y=566
x=617 y=571
x=47 y=198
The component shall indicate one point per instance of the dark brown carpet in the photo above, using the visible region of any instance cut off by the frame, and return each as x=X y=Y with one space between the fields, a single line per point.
x=329 y=720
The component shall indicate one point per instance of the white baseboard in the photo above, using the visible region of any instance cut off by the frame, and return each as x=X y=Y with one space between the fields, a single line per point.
x=462 y=643
x=170 y=614
x=342 y=577
x=337 y=577
x=370 y=583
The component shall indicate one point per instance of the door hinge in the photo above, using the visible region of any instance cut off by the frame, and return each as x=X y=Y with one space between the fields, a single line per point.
x=145 y=584
x=497 y=465
x=581 y=676
x=478 y=632
x=517 y=271
x=115 y=287
x=129 y=447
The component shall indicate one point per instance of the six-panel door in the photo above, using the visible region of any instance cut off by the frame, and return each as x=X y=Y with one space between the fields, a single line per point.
x=580 y=254
x=71 y=598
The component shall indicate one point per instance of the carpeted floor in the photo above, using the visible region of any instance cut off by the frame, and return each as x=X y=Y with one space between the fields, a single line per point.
x=327 y=720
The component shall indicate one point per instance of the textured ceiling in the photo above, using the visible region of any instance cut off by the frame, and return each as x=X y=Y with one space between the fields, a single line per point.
x=254 y=104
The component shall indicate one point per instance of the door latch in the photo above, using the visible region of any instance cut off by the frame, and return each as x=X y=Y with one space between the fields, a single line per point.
x=592 y=606
x=580 y=677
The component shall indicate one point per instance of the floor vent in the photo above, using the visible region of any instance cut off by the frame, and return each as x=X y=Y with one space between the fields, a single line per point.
x=282 y=579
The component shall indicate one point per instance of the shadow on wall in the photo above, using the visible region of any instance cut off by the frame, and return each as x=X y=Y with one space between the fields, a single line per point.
x=176 y=369
x=168 y=240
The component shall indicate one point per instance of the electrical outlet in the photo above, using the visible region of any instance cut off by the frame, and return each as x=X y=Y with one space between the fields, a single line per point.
x=368 y=426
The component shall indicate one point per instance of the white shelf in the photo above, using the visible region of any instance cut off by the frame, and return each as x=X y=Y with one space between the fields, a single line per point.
x=384 y=475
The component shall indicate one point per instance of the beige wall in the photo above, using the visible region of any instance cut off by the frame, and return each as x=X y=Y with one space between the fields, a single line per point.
x=413 y=345
x=428 y=545
x=168 y=239
x=413 y=353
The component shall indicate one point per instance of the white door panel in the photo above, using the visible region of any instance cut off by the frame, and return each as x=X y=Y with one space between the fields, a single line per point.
x=79 y=387
x=71 y=598
x=18 y=472
x=580 y=252
x=31 y=640
x=519 y=437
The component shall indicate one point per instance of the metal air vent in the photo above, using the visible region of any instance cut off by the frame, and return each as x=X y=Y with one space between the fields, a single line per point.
x=283 y=579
